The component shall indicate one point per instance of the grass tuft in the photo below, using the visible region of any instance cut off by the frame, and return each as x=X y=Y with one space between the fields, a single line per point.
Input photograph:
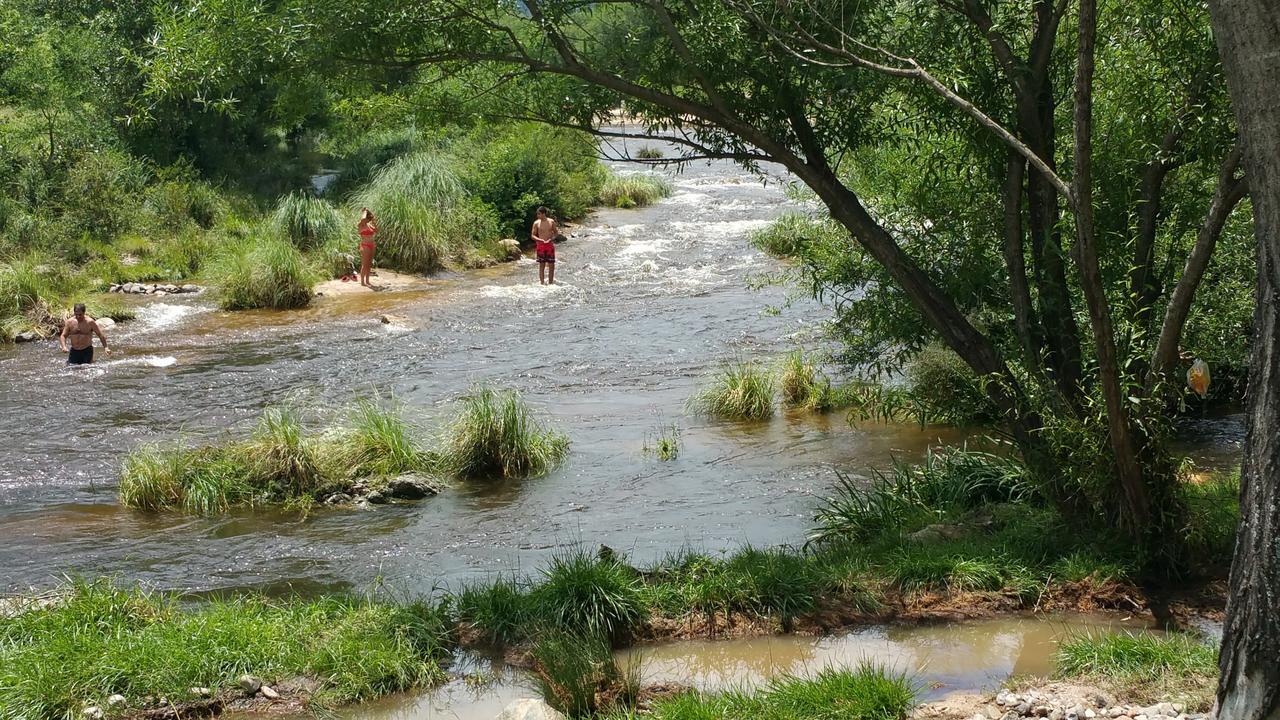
x=665 y=443
x=495 y=435
x=582 y=593
x=308 y=221
x=632 y=191
x=741 y=391
x=1144 y=667
x=802 y=385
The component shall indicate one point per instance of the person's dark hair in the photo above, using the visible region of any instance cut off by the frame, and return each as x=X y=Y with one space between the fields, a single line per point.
x=543 y=210
x=79 y=308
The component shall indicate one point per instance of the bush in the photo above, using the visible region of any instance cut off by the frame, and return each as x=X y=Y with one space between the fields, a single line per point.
x=495 y=435
x=649 y=153
x=516 y=168
x=370 y=153
x=308 y=221
x=267 y=272
x=597 y=596
x=631 y=191
x=575 y=672
x=741 y=391
x=1212 y=517
x=99 y=640
x=501 y=610
x=938 y=377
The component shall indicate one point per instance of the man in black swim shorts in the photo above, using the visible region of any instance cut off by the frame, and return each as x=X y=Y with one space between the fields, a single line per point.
x=80 y=330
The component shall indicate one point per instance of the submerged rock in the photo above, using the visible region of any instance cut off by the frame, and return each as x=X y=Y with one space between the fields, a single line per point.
x=337 y=499
x=529 y=709
x=105 y=323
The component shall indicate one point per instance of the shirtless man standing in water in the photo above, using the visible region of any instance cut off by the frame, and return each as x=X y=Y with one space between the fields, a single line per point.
x=544 y=233
x=80 y=330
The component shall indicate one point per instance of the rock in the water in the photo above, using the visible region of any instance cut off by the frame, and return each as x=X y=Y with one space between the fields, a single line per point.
x=410 y=486
x=529 y=709
x=376 y=498
x=105 y=323
x=511 y=249
x=26 y=336
x=116 y=699
x=250 y=684
x=269 y=693
x=338 y=499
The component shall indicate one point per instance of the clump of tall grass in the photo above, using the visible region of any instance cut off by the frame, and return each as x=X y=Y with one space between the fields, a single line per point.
x=577 y=674
x=802 y=385
x=775 y=581
x=1212 y=515
x=864 y=692
x=500 y=610
x=665 y=443
x=495 y=435
x=100 y=640
x=266 y=272
x=30 y=293
x=649 y=152
x=582 y=593
x=109 y=307
x=376 y=442
x=631 y=191
x=908 y=495
x=412 y=198
x=785 y=236
x=307 y=220
x=740 y=391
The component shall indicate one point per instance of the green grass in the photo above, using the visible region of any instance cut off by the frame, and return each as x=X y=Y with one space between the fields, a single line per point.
x=33 y=291
x=649 y=153
x=631 y=191
x=308 y=221
x=582 y=593
x=110 y=307
x=1144 y=667
x=740 y=391
x=264 y=272
x=499 y=610
x=101 y=640
x=665 y=443
x=494 y=435
x=575 y=672
x=412 y=198
x=865 y=692
x=802 y=386
x=279 y=463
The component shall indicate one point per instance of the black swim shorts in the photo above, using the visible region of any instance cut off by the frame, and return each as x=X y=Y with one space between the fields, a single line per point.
x=83 y=356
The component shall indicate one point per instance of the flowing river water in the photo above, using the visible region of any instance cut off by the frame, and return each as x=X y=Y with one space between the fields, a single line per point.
x=650 y=302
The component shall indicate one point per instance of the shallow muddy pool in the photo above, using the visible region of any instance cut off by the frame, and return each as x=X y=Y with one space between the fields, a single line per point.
x=941 y=659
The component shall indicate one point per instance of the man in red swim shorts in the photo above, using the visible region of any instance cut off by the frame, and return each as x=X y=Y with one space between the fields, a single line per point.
x=544 y=232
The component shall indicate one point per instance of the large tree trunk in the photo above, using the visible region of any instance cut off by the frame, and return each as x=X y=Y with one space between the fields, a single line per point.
x=1248 y=36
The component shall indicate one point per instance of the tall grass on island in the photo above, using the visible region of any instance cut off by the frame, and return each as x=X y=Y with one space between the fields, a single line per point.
x=279 y=463
x=802 y=386
x=664 y=443
x=263 y=272
x=740 y=391
x=495 y=435
x=97 y=640
x=308 y=221
x=632 y=191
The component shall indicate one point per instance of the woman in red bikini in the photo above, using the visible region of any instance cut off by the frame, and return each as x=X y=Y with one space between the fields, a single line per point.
x=366 y=228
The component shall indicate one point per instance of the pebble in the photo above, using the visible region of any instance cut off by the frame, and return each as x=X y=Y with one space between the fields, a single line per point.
x=1041 y=710
x=250 y=684
x=1011 y=715
x=269 y=693
x=201 y=692
x=93 y=712
x=1089 y=713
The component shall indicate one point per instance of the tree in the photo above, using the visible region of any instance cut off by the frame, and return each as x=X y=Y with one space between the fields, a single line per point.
x=816 y=86
x=1248 y=35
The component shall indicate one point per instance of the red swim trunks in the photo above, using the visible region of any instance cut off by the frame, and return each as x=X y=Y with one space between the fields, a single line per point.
x=546 y=252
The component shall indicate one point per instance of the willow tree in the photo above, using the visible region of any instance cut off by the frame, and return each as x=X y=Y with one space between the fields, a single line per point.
x=1084 y=230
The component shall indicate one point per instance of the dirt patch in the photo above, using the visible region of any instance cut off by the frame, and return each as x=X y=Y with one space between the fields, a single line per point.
x=382 y=281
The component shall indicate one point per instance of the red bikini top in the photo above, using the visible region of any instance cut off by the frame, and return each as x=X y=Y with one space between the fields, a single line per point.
x=367 y=231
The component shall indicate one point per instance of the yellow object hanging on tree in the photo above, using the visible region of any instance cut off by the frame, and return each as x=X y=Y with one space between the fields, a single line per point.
x=1198 y=377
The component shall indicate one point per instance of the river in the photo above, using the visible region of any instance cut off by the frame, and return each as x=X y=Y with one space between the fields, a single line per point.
x=650 y=302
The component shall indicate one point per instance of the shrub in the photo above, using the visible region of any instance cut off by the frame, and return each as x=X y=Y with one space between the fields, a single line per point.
x=267 y=272
x=495 y=435
x=308 y=221
x=377 y=443
x=359 y=162
x=1212 y=516
x=581 y=593
x=575 y=672
x=741 y=391
x=110 y=307
x=948 y=386
x=802 y=385
x=631 y=191
x=501 y=609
